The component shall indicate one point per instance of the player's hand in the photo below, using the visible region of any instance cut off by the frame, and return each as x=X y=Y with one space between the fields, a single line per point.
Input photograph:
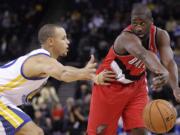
x=176 y=93
x=159 y=80
x=105 y=77
x=90 y=69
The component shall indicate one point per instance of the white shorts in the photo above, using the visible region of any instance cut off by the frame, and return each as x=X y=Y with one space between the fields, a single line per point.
x=12 y=118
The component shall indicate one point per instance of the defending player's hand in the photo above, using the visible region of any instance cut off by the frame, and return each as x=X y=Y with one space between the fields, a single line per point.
x=105 y=77
x=90 y=68
x=176 y=93
x=159 y=80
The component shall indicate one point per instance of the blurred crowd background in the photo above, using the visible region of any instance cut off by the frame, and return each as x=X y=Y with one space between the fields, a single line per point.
x=92 y=26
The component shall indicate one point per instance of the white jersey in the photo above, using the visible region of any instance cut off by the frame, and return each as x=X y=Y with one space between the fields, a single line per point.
x=15 y=87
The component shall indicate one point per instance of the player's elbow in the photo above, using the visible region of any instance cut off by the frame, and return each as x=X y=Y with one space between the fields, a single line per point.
x=53 y=72
x=141 y=55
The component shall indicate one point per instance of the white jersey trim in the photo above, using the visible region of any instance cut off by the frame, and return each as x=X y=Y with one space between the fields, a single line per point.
x=120 y=76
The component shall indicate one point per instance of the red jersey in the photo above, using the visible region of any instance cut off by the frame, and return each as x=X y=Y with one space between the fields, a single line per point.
x=127 y=67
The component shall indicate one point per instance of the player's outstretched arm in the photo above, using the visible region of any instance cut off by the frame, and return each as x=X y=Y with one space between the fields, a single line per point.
x=132 y=44
x=86 y=73
x=42 y=65
x=167 y=58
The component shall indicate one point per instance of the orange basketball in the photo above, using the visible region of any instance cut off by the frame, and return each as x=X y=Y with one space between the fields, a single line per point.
x=159 y=116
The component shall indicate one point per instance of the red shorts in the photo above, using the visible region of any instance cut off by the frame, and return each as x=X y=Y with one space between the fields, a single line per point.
x=109 y=103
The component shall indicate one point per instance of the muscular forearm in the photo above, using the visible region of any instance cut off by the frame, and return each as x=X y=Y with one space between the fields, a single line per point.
x=152 y=62
x=72 y=68
x=71 y=74
x=173 y=74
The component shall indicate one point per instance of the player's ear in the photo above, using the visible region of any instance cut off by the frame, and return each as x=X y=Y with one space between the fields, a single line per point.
x=50 y=41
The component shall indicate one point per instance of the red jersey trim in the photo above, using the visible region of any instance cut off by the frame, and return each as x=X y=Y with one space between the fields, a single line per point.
x=152 y=39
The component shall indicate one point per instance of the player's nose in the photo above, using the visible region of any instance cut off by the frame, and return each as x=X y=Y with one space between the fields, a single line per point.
x=139 y=29
x=67 y=41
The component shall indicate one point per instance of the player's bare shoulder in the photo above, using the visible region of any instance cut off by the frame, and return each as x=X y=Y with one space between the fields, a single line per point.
x=162 y=32
x=33 y=66
x=37 y=60
x=162 y=37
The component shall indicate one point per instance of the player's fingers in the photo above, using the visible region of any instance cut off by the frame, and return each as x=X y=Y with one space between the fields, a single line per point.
x=159 y=84
x=177 y=98
x=92 y=59
x=163 y=78
x=94 y=65
x=160 y=77
x=90 y=65
x=158 y=81
x=156 y=88
x=157 y=78
x=105 y=83
x=109 y=72
x=109 y=76
x=109 y=79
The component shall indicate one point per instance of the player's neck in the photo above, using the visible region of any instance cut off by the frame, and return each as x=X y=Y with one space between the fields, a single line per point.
x=47 y=48
x=54 y=56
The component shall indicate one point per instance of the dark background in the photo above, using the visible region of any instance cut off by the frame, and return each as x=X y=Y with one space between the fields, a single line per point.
x=92 y=26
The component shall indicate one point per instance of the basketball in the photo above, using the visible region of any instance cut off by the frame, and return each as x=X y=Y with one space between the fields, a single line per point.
x=159 y=116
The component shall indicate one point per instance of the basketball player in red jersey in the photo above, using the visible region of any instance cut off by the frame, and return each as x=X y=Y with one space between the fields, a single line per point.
x=133 y=51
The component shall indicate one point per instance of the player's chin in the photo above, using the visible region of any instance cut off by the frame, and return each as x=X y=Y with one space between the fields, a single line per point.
x=65 y=54
x=141 y=35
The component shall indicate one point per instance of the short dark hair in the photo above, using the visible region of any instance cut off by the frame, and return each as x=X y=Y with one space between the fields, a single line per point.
x=47 y=31
x=141 y=9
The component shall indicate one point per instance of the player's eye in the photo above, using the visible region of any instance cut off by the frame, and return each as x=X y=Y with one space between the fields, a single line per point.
x=142 y=23
x=135 y=23
x=64 y=38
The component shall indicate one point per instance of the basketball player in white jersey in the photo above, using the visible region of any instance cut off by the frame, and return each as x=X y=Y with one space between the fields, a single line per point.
x=21 y=78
